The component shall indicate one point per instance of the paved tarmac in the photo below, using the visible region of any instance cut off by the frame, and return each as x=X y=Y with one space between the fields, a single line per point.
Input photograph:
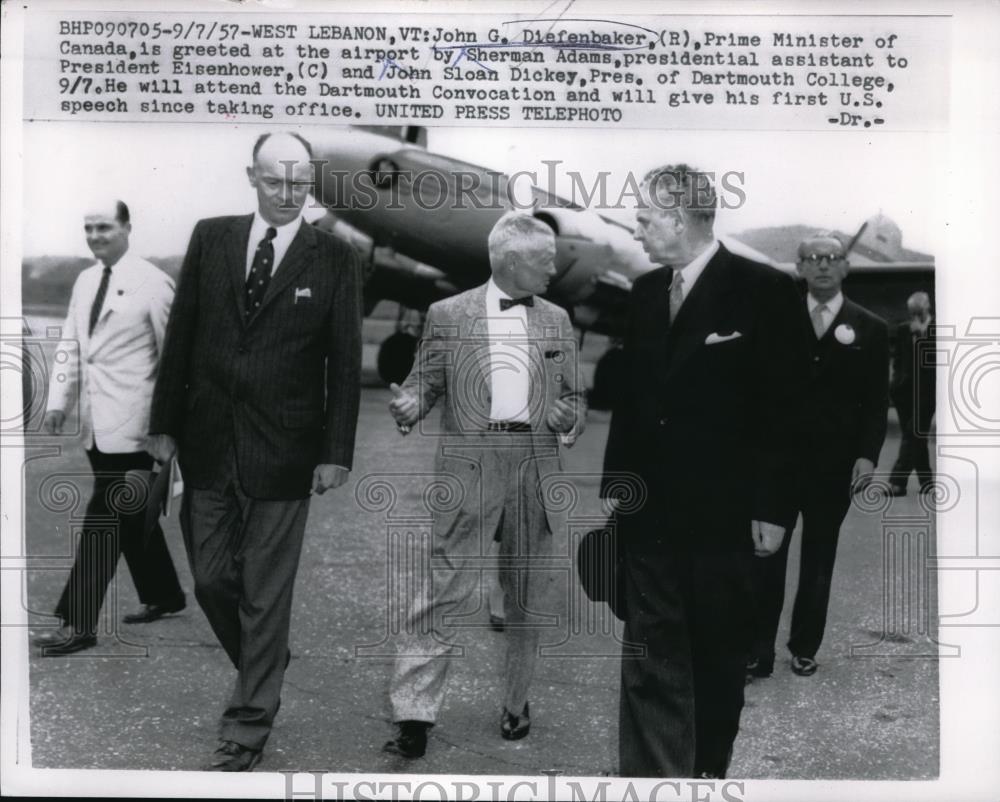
x=148 y=696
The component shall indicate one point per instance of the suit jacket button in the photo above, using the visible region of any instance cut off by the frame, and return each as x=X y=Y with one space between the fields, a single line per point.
x=663 y=421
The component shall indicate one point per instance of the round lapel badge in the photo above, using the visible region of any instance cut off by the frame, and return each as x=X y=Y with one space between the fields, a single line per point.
x=844 y=334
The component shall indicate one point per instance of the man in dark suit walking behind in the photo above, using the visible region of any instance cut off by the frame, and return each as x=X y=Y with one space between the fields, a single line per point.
x=714 y=361
x=912 y=389
x=258 y=391
x=843 y=422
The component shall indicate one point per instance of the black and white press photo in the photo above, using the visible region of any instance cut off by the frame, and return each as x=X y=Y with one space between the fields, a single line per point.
x=520 y=402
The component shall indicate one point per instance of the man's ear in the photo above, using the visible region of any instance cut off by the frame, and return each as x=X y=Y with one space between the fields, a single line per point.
x=798 y=270
x=252 y=177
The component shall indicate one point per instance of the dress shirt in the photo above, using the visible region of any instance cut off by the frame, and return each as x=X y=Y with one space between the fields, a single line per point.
x=831 y=311
x=510 y=380
x=258 y=229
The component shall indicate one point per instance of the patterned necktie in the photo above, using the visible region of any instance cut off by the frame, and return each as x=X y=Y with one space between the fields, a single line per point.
x=507 y=303
x=676 y=294
x=817 y=320
x=102 y=291
x=260 y=271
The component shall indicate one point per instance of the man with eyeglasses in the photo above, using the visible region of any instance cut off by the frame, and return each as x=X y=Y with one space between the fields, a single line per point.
x=843 y=424
x=258 y=395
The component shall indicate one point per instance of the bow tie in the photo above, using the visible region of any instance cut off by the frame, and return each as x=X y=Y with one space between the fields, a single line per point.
x=507 y=303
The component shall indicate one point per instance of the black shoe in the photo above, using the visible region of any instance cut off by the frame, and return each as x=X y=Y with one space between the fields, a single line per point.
x=760 y=668
x=804 y=666
x=496 y=623
x=513 y=728
x=64 y=641
x=154 y=612
x=411 y=741
x=231 y=756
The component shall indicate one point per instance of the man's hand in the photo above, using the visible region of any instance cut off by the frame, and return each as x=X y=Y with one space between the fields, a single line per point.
x=861 y=476
x=561 y=417
x=328 y=477
x=404 y=407
x=161 y=447
x=767 y=537
x=53 y=421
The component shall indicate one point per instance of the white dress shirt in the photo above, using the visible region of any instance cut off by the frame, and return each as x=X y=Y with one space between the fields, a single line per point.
x=831 y=311
x=285 y=235
x=510 y=379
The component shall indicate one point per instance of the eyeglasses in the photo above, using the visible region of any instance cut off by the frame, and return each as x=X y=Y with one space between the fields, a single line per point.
x=819 y=258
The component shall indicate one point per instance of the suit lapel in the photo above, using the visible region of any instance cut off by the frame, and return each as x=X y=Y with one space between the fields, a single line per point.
x=699 y=311
x=477 y=331
x=538 y=401
x=236 y=259
x=297 y=257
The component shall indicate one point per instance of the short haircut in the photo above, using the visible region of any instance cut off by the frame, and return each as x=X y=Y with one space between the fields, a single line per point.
x=680 y=186
x=822 y=235
x=121 y=213
x=264 y=137
x=513 y=227
x=919 y=300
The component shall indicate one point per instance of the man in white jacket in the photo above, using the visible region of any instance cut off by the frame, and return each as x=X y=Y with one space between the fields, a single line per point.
x=107 y=359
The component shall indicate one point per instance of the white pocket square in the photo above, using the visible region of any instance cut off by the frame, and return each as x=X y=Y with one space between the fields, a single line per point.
x=304 y=292
x=715 y=337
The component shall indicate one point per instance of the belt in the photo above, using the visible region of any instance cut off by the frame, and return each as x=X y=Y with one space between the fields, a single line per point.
x=508 y=426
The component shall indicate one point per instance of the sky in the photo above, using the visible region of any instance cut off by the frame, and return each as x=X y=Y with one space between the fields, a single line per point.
x=174 y=174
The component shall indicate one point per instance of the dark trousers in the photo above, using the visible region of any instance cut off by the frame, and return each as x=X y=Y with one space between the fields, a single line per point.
x=913 y=451
x=825 y=496
x=244 y=554
x=112 y=526
x=681 y=702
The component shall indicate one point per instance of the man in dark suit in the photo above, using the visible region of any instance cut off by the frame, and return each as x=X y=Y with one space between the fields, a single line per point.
x=714 y=363
x=912 y=390
x=258 y=390
x=843 y=422
x=714 y=366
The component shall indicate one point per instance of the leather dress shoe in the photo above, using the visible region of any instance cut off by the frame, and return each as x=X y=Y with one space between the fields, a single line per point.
x=760 y=667
x=154 y=612
x=231 y=756
x=64 y=641
x=496 y=623
x=513 y=728
x=410 y=741
x=804 y=666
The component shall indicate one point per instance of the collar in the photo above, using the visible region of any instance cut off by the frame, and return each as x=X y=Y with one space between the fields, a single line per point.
x=285 y=235
x=833 y=304
x=122 y=271
x=696 y=266
x=493 y=296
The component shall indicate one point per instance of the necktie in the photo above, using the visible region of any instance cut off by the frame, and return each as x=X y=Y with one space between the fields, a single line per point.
x=676 y=294
x=102 y=291
x=507 y=303
x=819 y=326
x=260 y=271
